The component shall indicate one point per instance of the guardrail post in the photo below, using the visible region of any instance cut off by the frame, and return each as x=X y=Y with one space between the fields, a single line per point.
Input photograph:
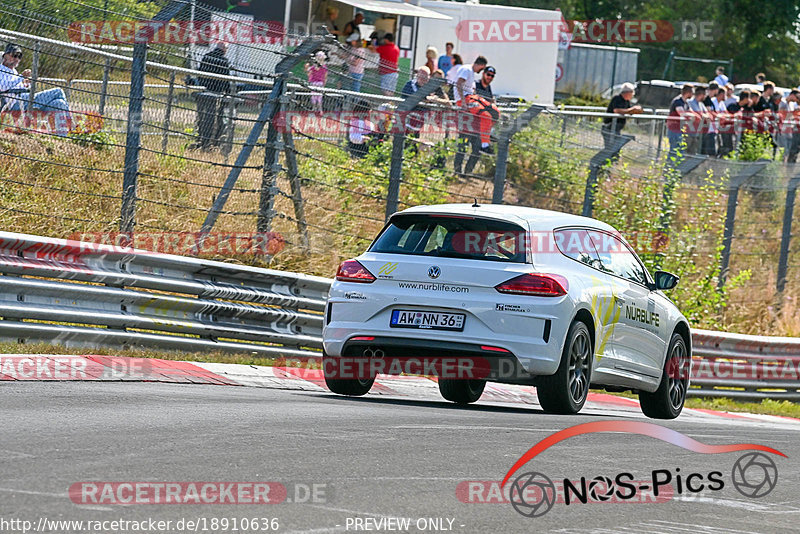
x=597 y=161
x=398 y=142
x=294 y=183
x=730 y=217
x=563 y=130
x=34 y=74
x=267 y=114
x=503 y=141
x=786 y=233
x=101 y=109
x=168 y=112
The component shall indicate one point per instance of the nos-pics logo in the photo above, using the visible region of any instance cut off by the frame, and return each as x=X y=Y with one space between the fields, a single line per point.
x=533 y=494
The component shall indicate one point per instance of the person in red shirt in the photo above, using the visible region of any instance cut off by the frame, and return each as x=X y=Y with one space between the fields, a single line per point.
x=387 y=68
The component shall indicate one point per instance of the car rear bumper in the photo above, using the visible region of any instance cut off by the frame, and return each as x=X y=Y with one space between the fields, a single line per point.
x=396 y=354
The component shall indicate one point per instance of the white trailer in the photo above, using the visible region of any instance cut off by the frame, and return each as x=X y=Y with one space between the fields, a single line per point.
x=522 y=44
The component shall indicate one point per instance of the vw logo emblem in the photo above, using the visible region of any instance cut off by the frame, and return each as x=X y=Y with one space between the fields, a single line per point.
x=434 y=271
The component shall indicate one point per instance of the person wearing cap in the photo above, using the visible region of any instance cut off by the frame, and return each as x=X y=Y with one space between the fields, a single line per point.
x=483 y=86
x=15 y=90
x=356 y=56
x=621 y=105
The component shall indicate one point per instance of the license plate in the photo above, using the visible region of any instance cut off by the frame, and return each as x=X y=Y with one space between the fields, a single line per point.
x=427 y=320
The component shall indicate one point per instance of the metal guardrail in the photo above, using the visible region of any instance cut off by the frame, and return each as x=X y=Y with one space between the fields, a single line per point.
x=745 y=367
x=81 y=294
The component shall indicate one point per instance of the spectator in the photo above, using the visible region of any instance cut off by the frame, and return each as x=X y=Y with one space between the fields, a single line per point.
x=330 y=23
x=387 y=67
x=446 y=60
x=483 y=86
x=452 y=76
x=439 y=96
x=763 y=103
x=676 y=128
x=719 y=143
x=431 y=54
x=476 y=132
x=354 y=26
x=210 y=102
x=423 y=74
x=317 y=72
x=743 y=115
x=711 y=91
x=15 y=91
x=755 y=100
x=721 y=79
x=355 y=61
x=761 y=78
x=741 y=103
x=415 y=119
x=790 y=125
x=620 y=104
x=465 y=80
x=730 y=98
x=699 y=126
x=360 y=130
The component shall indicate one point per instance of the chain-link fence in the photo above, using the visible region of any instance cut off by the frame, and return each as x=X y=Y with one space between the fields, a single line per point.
x=309 y=165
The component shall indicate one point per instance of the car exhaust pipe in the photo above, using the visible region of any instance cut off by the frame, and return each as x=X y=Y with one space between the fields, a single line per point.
x=368 y=353
x=378 y=353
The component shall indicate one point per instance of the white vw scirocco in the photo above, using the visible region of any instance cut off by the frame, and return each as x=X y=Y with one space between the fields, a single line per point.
x=539 y=297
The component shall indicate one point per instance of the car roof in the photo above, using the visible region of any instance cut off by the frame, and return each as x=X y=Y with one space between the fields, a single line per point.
x=538 y=219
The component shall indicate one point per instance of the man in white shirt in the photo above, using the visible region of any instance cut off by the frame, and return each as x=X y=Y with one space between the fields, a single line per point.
x=721 y=79
x=15 y=90
x=465 y=79
x=721 y=124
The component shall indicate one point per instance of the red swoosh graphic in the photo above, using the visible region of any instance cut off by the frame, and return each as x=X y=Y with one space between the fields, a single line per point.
x=633 y=427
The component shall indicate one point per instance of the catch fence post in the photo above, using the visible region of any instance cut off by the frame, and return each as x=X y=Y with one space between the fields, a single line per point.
x=398 y=142
x=503 y=143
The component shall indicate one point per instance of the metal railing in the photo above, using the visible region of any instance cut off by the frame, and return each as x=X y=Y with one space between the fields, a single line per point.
x=745 y=367
x=74 y=293
x=89 y=295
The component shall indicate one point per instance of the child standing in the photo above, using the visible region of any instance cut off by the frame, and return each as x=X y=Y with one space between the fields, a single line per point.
x=317 y=72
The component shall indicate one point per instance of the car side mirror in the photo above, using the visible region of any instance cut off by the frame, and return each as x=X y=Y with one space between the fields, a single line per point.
x=665 y=280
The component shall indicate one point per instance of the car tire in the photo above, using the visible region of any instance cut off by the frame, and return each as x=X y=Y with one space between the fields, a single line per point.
x=667 y=401
x=565 y=391
x=461 y=391
x=352 y=387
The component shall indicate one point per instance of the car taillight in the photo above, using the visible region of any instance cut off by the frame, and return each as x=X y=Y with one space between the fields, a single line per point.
x=352 y=271
x=537 y=285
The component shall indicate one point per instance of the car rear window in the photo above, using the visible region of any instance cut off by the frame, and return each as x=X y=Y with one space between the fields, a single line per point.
x=446 y=236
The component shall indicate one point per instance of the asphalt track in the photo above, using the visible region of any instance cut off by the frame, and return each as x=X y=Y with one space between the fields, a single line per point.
x=381 y=456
